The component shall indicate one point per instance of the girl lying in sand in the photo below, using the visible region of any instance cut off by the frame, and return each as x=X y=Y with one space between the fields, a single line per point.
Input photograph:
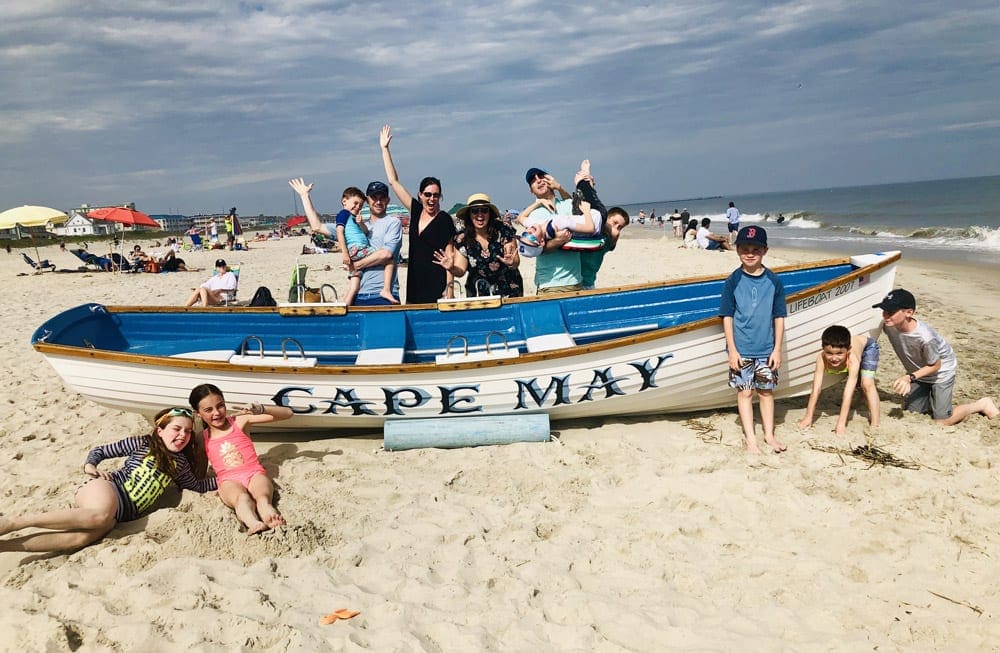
x=167 y=455
x=244 y=484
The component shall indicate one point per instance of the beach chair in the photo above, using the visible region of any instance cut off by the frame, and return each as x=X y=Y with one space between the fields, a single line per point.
x=196 y=242
x=229 y=296
x=120 y=264
x=297 y=289
x=40 y=266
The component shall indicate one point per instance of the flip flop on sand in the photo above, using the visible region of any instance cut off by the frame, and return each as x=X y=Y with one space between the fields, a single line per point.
x=342 y=613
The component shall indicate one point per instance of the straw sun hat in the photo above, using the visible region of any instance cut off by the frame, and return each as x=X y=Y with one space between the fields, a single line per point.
x=478 y=199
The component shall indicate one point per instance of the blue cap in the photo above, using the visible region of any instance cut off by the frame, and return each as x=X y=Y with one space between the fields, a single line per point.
x=530 y=175
x=752 y=235
x=377 y=188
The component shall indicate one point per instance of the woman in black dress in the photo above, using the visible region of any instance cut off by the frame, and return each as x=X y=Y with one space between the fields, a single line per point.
x=431 y=230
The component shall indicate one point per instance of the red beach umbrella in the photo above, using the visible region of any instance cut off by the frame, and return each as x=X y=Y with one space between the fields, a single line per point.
x=123 y=215
x=295 y=220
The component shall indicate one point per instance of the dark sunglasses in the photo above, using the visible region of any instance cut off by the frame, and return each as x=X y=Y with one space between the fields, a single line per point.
x=479 y=210
x=432 y=196
x=378 y=198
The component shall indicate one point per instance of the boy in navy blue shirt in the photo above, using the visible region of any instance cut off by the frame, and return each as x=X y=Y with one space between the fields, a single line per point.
x=753 y=319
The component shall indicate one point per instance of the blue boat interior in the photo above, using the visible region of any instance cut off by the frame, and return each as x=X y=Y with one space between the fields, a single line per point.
x=402 y=336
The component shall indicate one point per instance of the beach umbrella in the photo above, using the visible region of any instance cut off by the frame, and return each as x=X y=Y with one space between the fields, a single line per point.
x=31 y=216
x=295 y=220
x=124 y=215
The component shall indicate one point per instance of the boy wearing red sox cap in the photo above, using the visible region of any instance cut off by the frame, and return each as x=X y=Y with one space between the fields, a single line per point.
x=753 y=319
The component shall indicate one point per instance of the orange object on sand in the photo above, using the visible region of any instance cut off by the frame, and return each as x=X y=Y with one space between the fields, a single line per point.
x=342 y=613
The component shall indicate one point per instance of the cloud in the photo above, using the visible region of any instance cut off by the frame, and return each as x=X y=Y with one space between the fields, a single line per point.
x=209 y=102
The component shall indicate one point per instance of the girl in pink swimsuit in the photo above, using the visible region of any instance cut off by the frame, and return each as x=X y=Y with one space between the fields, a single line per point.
x=244 y=484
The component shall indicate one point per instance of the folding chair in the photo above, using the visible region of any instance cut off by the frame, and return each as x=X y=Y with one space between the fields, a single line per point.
x=229 y=296
x=196 y=242
x=40 y=266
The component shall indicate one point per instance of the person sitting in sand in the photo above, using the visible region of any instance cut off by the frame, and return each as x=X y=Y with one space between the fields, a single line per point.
x=691 y=235
x=172 y=263
x=707 y=240
x=929 y=361
x=855 y=357
x=244 y=484
x=167 y=455
x=217 y=289
x=586 y=220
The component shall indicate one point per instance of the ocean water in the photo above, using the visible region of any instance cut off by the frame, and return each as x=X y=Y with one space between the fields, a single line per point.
x=946 y=219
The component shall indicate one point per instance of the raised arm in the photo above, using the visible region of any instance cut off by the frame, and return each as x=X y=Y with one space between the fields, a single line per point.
x=303 y=189
x=385 y=136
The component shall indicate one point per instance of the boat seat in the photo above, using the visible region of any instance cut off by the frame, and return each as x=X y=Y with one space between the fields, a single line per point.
x=383 y=338
x=544 y=326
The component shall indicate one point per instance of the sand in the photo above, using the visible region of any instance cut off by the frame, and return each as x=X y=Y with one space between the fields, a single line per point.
x=625 y=534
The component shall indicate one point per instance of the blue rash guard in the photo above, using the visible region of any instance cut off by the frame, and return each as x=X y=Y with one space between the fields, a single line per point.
x=753 y=303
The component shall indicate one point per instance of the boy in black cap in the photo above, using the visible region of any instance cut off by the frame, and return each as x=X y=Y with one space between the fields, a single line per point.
x=753 y=320
x=929 y=361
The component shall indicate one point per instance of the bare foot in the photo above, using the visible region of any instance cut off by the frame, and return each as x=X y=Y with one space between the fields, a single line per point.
x=990 y=408
x=270 y=515
x=583 y=172
x=751 y=446
x=388 y=295
x=776 y=445
x=256 y=527
x=6 y=526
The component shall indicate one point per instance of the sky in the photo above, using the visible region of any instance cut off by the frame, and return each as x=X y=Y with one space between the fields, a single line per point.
x=192 y=107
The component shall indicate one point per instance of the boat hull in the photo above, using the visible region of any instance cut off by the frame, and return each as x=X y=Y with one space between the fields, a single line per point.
x=682 y=368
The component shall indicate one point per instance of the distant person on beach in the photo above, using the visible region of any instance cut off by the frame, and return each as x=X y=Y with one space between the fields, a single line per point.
x=432 y=231
x=350 y=235
x=642 y=217
x=214 y=291
x=676 y=223
x=929 y=361
x=244 y=484
x=707 y=240
x=732 y=221
x=586 y=218
x=854 y=357
x=168 y=455
x=753 y=320
x=486 y=250
x=691 y=235
x=212 y=231
x=591 y=261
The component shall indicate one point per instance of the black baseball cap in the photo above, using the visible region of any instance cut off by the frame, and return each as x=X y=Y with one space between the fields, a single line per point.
x=896 y=300
x=377 y=188
x=530 y=175
x=220 y=263
x=752 y=235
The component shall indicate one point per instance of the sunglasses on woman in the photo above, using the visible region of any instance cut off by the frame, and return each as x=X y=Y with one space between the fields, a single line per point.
x=432 y=196
x=479 y=210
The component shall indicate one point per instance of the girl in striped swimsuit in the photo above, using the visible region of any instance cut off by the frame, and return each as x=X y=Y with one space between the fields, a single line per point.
x=167 y=455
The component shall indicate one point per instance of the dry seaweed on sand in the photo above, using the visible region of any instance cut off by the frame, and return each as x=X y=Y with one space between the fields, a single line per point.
x=871 y=453
x=705 y=430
